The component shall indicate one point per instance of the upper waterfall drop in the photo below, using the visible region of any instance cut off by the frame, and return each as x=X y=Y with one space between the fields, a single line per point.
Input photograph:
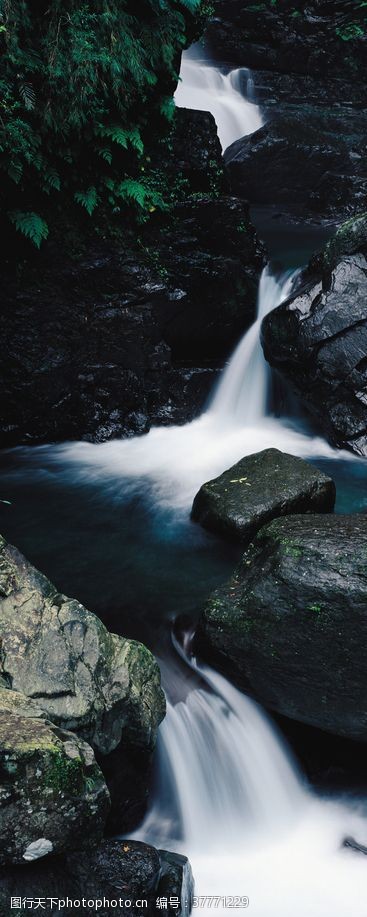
x=241 y=396
x=204 y=87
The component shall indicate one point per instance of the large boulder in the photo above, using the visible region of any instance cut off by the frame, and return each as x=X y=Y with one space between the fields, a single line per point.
x=307 y=162
x=118 y=871
x=259 y=488
x=318 y=340
x=291 y=626
x=102 y=687
x=53 y=797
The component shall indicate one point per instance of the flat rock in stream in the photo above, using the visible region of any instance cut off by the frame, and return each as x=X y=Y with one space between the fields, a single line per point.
x=260 y=488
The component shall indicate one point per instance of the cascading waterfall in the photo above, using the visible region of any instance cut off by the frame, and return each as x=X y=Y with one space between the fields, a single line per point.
x=229 y=796
x=227 y=96
x=241 y=396
x=228 y=793
x=174 y=461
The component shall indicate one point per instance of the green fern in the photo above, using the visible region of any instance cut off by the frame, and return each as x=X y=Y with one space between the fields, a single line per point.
x=28 y=96
x=134 y=190
x=79 y=95
x=88 y=199
x=31 y=225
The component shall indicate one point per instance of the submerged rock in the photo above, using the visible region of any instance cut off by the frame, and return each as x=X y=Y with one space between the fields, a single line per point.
x=259 y=488
x=119 y=869
x=291 y=626
x=101 y=686
x=53 y=797
x=318 y=339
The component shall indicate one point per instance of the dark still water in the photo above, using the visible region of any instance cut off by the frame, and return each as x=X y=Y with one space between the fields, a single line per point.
x=133 y=563
x=108 y=542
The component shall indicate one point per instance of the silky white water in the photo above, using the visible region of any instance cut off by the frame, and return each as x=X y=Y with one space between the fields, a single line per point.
x=229 y=796
x=175 y=461
x=227 y=96
x=241 y=395
x=228 y=793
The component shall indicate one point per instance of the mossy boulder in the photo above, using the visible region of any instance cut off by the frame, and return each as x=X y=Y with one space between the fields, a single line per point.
x=291 y=626
x=259 y=488
x=53 y=796
x=104 y=688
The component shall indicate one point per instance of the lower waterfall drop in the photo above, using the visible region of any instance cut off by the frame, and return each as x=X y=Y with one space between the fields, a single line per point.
x=229 y=796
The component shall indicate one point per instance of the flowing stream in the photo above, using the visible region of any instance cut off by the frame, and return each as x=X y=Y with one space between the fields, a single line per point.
x=228 y=793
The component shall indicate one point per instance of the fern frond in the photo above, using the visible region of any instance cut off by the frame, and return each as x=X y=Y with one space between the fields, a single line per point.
x=129 y=188
x=105 y=153
x=88 y=199
x=28 y=96
x=51 y=180
x=31 y=225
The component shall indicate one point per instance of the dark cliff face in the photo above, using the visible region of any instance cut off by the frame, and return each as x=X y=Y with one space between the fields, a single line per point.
x=308 y=64
x=123 y=336
x=311 y=38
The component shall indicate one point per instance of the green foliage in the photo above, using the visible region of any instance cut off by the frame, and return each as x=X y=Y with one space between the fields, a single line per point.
x=31 y=225
x=83 y=88
x=349 y=31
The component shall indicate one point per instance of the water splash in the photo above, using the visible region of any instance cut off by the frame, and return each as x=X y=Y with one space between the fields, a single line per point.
x=227 y=96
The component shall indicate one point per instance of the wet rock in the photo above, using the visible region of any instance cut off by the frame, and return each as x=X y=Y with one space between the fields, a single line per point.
x=260 y=488
x=213 y=261
x=301 y=39
x=118 y=869
x=318 y=340
x=53 y=796
x=350 y=238
x=306 y=161
x=291 y=625
x=176 y=882
x=99 y=345
x=195 y=155
x=102 y=687
x=351 y=844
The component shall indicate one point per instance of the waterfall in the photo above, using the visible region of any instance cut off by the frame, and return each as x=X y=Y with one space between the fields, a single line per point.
x=214 y=756
x=175 y=461
x=229 y=795
x=226 y=96
x=241 y=396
